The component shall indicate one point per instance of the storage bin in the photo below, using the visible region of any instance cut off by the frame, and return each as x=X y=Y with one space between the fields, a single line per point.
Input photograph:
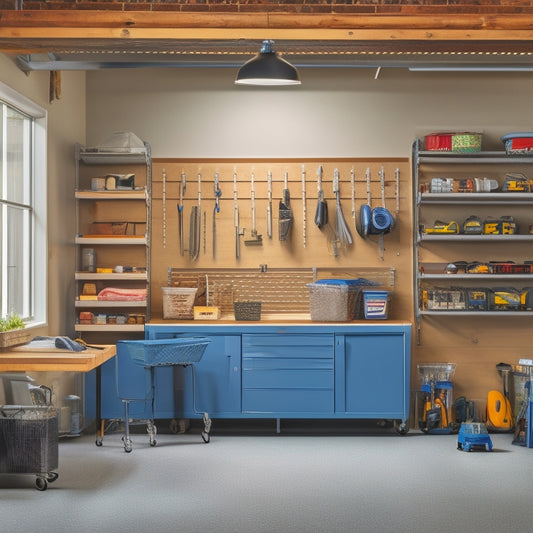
x=28 y=439
x=247 y=310
x=466 y=142
x=178 y=302
x=518 y=142
x=437 y=372
x=334 y=300
x=438 y=142
x=460 y=142
x=377 y=304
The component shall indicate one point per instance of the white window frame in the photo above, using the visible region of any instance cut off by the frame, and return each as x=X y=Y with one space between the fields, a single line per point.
x=39 y=253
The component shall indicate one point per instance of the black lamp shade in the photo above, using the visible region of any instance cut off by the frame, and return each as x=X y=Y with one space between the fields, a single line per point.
x=267 y=68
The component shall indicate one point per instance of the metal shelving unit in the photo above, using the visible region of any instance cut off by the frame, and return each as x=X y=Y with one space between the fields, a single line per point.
x=427 y=164
x=115 y=249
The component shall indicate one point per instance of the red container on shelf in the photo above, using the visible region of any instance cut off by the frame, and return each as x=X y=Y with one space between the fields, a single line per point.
x=518 y=143
x=441 y=142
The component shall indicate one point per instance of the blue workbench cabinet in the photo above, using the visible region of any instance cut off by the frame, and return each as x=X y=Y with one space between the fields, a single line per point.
x=371 y=373
x=276 y=370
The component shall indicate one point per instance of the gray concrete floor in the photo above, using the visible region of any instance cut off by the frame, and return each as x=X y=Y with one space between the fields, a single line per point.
x=306 y=479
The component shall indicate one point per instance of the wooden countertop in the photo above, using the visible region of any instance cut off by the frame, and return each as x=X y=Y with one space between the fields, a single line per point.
x=22 y=359
x=287 y=319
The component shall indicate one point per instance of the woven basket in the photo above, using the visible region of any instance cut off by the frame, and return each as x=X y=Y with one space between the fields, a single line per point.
x=14 y=337
x=247 y=310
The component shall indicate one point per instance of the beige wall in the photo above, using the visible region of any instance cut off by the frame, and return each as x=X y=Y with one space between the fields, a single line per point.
x=334 y=113
x=195 y=113
x=66 y=125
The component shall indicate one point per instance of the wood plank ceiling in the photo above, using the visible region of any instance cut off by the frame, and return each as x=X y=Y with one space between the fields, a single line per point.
x=52 y=40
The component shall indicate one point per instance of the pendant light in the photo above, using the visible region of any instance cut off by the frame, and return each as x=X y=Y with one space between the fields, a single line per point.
x=267 y=68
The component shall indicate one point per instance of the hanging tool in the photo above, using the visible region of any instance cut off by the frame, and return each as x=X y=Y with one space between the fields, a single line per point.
x=362 y=223
x=164 y=209
x=204 y=229
x=269 y=205
x=180 y=210
x=285 y=211
x=321 y=215
x=352 y=182
x=343 y=231
x=195 y=226
x=255 y=239
x=236 y=218
x=304 y=214
x=397 y=176
x=216 y=210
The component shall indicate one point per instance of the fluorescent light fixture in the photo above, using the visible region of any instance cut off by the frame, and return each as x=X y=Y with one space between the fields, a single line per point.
x=472 y=68
x=267 y=68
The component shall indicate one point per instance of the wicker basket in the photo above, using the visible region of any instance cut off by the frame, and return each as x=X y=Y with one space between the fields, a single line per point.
x=14 y=337
x=178 y=302
x=247 y=310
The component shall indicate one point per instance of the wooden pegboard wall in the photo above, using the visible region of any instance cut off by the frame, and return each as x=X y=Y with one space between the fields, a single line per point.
x=316 y=251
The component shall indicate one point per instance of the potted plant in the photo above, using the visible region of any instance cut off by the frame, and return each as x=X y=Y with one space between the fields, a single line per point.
x=12 y=331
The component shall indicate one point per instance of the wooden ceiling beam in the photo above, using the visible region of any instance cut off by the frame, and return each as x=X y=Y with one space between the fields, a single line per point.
x=20 y=31
x=149 y=19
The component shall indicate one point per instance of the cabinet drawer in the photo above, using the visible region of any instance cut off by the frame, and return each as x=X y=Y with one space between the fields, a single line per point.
x=288 y=402
x=288 y=373
x=288 y=345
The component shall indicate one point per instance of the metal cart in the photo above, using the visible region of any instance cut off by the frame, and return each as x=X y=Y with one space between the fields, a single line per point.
x=150 y=354
x=29 y=442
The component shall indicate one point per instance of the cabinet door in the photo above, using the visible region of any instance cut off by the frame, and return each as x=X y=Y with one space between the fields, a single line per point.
x=132 y=381
x=217 y=385
x=372 y=375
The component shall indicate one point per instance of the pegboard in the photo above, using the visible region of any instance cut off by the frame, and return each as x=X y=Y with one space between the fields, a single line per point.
x=306 y=246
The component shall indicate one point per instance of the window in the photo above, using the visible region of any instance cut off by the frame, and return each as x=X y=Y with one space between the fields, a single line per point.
x=22 y=207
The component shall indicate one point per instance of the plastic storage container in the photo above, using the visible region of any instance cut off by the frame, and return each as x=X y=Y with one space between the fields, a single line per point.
x=336 y=300
x=435 y=399
x=178 y=302
x=518 y=142
x=460 y=142
x=377 y=304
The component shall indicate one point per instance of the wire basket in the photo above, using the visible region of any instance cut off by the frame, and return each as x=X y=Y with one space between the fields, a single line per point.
x=247 y=310
x=183 y=351
x=28 y=439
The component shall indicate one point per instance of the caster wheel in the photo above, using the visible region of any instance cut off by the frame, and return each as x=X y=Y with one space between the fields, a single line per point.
x=206 y=437
x=99 y=442
x=207 y=423
x=403 y=429
x=41 y=483
x=51 y=476
x=153 y=442
x=127 y=444
x=173 y=426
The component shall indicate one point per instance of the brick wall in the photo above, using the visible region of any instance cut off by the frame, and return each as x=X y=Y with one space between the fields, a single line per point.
x=363 y=7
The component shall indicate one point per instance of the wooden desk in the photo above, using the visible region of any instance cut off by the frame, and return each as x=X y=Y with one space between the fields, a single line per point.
x=22 y=359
